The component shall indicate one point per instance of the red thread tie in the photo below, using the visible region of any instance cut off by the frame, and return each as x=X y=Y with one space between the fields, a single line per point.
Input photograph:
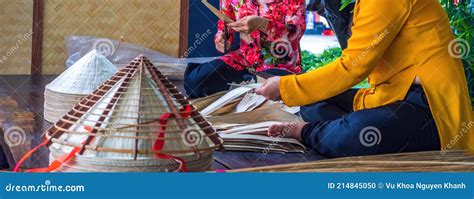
x=160 y=141
x=55 y=164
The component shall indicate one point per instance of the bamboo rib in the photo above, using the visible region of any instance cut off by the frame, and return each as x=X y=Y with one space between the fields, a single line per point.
x=404 y=162
x=116 y=127
x=129 y=151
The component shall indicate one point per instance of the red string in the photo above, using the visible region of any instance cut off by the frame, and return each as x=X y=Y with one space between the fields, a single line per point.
x=160 y=141
x=27 y=155
x=55 y=164
x=158 y=145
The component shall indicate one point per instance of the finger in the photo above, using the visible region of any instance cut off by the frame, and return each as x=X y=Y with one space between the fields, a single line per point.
x=278 y=129
x=220 y=38
x=237 y=23
x=273 y=130
x=239 y=28
x=220 y=47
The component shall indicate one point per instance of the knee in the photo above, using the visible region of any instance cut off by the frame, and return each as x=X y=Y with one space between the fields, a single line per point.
x=193 y=81
x=313 y=112
x=353 y=138
x=192 y=88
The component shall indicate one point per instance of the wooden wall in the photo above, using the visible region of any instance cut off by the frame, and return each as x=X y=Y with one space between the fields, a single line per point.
x=153 y=24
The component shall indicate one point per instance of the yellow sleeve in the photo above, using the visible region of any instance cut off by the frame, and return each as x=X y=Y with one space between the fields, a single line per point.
x=376 y=24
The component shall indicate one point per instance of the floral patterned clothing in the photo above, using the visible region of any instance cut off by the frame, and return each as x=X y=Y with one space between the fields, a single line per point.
x=278 y=46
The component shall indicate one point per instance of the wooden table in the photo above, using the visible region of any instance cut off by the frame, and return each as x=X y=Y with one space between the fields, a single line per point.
x=28 y=91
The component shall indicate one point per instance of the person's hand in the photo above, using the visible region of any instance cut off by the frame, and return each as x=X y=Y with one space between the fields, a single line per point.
x=270 y=89
x=220 y=42
x=249 y=24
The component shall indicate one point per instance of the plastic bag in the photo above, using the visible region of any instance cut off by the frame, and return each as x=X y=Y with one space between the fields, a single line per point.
x=119 y=53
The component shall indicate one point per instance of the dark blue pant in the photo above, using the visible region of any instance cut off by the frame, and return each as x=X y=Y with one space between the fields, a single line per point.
x=3 y=160
x=208 y=78
x=335 y=130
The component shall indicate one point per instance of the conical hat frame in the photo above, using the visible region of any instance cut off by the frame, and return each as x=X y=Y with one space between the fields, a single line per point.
x=169 y=91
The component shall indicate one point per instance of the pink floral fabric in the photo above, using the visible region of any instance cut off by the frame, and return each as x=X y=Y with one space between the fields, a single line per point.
x=278 y=47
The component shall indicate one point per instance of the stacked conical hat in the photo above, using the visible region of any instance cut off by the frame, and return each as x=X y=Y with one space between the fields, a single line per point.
x=135 y=121
x=76 y=82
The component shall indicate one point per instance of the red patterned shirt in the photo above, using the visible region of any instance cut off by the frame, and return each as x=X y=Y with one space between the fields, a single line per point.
x=278 y=47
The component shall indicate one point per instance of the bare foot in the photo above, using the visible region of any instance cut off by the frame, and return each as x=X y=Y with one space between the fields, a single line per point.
x=287 y=129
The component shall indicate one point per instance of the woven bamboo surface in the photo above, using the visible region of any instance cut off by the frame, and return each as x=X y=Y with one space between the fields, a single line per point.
x=15 y=36
x=148 y=23
x=431 y=161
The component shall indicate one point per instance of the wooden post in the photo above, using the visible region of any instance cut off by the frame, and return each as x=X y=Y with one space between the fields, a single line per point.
x=37 y=42
x=183 y=27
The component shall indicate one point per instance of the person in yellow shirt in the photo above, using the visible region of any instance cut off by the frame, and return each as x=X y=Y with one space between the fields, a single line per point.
x=418 y=99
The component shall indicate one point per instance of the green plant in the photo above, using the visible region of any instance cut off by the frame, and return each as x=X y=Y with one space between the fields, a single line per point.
x=345 y=3
x=461 y=20
x=312 y=61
